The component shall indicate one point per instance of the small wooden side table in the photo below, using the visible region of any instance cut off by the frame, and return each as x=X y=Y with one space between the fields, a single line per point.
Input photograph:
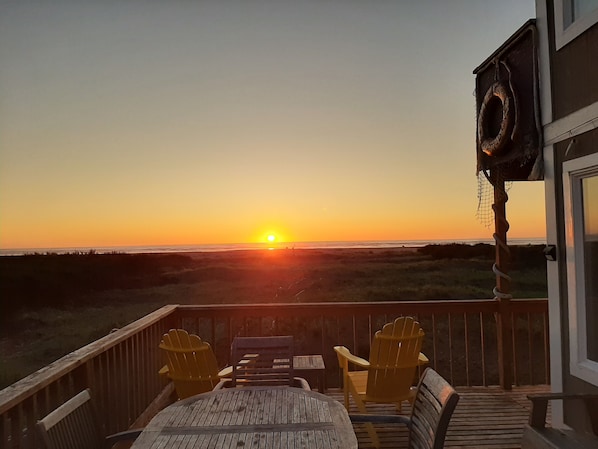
x=311 y=367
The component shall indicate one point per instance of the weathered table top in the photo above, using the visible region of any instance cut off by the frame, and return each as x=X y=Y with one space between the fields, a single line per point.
x=251 y=417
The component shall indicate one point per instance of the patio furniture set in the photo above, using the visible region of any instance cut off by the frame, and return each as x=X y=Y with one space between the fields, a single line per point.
x=260 y=401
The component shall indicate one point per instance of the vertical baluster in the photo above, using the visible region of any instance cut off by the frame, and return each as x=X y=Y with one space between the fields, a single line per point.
x=113 y=387
x=483 y=350
x=322 y=336
x=434 y=351
x=230 y=340
x=5 y=437
x=151 y=367
x=17 y=426
x=370 y=331
x=213 y=332
x=546 y=349
x=28 y=423
x=355 y=347
x=450 y=327
x=466 y=332
x=530 y=349
x=142 y=364
x=513 y=321
x=149 y=364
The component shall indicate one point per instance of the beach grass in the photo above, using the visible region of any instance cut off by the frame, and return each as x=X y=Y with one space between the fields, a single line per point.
x=53 y=304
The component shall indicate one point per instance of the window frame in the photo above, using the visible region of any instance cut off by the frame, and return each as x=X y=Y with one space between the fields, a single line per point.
x=565 y=34
x=573 y=172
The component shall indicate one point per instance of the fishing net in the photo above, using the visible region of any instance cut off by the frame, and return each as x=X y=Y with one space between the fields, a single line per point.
x=485 y=213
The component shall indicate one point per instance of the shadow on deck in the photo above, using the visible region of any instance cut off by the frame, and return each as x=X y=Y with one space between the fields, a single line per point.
x=486 y=417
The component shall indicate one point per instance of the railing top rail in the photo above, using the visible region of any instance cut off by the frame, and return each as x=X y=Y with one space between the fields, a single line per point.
x=26 y=387
x=345 y=308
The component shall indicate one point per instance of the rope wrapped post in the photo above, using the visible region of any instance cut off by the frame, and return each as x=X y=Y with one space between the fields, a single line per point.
x=508 y=148
x=502 y=291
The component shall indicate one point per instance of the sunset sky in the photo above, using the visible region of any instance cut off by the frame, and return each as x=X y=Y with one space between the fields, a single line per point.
x=191 y=122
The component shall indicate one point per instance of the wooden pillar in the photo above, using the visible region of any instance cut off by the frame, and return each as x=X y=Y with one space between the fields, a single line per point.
x=502 y=292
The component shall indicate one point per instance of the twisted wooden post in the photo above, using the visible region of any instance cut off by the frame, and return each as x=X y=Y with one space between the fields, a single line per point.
x=502 y=291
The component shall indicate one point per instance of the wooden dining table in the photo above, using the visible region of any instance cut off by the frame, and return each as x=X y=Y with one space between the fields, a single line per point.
x=251 y=417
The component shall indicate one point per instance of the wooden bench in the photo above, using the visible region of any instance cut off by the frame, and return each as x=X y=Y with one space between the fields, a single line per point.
x=537 y=436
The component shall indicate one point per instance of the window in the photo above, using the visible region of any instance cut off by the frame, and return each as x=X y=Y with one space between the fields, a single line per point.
x=573 y=17
x=580 y=183
x=589 y=192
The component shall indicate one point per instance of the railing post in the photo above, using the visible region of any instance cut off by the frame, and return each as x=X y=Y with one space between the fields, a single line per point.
x=505 y=343
x=502 y=291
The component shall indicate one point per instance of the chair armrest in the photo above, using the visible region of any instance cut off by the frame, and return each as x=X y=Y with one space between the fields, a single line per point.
x=164 y=371
x=382 y=419
x=224 y=383
x=226 y=372
x=300 y=382
x=132 y=434
x=345 y=353
x=537 y=417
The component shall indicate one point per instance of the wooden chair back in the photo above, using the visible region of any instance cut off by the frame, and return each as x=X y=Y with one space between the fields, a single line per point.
x=73 y=425
x=432 y=409
x=433 y=406
x=192 y=365
x=263 y=360
x=394 y=358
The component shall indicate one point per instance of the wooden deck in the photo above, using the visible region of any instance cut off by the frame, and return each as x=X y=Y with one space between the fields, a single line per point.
x=461 y=341
x=485 y=417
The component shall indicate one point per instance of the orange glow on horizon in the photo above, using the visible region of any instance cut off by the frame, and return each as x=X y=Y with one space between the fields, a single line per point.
x=106 y=232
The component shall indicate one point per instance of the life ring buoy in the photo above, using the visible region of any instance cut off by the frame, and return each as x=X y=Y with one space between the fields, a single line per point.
x=495 y=145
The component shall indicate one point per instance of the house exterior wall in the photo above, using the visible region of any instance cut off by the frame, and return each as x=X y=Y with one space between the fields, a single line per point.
x=573 y=81
x=574 y=71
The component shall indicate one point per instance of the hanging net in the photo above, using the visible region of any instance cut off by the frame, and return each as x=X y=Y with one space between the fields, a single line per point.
x=485 y=213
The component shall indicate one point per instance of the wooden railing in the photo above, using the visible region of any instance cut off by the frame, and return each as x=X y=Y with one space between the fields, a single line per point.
x=121 y=368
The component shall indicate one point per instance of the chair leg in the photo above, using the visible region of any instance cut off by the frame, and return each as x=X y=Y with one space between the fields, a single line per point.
x=346 y=390
x=362 y=409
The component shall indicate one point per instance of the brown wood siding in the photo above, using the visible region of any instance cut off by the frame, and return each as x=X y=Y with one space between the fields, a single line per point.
x=574 y=70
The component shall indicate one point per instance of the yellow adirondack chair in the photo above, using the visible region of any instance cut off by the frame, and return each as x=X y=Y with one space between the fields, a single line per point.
x=191 y=363
x=389 y=374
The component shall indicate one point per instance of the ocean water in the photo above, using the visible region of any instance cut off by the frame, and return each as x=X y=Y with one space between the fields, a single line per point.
x=252 y=246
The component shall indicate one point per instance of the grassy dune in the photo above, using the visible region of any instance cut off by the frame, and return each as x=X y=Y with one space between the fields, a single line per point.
x=53 y=304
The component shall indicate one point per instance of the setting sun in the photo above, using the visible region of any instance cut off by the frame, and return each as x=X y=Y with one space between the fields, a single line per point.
x=271 y=238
